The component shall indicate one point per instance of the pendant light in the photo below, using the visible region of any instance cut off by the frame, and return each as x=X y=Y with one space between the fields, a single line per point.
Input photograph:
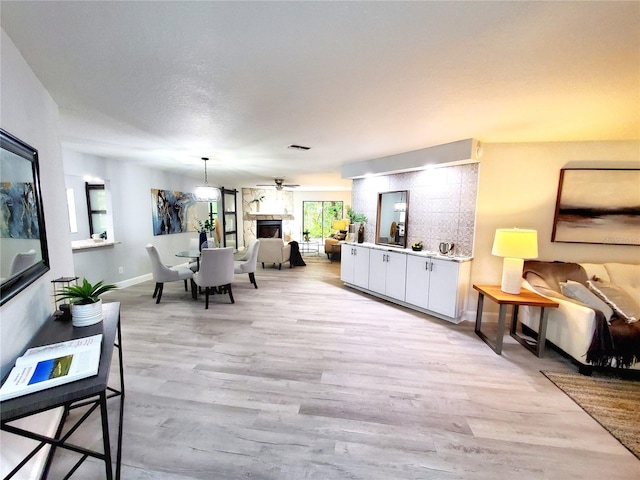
x=206 y=193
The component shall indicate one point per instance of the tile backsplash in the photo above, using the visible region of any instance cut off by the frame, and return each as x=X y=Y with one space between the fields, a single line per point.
x=442 y=204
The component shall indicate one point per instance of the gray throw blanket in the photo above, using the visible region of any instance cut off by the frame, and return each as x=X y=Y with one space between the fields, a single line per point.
x=616 y=344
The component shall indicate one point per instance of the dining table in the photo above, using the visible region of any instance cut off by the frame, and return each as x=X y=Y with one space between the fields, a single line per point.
x=195 y=254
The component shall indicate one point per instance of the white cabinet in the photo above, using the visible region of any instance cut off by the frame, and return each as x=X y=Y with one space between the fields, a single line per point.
x=387 y=273
x=430 y=284
x=354 y=266
x=445 y=294
x=418 y=276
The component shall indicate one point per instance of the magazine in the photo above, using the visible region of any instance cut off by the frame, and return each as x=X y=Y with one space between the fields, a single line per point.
x=51 y=365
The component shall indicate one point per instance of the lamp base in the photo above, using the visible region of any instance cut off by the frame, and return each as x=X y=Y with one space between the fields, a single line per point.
x=512 y=275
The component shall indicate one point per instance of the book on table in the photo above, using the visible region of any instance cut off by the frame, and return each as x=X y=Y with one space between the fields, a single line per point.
x=48 y=366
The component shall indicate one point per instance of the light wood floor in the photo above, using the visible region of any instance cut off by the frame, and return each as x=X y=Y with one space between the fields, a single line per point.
x=307 y=379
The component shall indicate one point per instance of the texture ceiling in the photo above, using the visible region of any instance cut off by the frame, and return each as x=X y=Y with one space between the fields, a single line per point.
x=164 y=83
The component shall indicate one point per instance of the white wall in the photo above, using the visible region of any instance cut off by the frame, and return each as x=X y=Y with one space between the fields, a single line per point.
x=28 y=112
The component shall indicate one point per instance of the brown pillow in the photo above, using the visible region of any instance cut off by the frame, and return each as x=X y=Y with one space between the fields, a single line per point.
x=620 y=301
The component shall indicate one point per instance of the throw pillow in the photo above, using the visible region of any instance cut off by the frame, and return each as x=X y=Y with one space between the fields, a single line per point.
x=614 y=296
x=578 y=291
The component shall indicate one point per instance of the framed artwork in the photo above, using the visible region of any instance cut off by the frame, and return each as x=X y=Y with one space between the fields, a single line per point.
x=598 y=206
x=171 y=211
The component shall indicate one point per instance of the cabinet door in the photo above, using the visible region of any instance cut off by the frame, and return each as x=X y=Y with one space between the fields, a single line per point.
x=443 y=287
x=361 y=267
x=377 y=271
x=396 y=266
x=417 y=288
x=347 y=262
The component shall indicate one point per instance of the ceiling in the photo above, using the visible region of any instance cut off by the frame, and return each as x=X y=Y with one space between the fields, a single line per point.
x=164 y=83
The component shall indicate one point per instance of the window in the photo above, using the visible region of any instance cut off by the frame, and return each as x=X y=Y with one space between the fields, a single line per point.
x=97 y=209
x=318 y=217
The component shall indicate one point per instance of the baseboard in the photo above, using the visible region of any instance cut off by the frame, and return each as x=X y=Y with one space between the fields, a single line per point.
x=134 y=281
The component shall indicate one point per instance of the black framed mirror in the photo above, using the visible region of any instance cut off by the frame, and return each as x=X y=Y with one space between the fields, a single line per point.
x=393 y=218
x=23 y=243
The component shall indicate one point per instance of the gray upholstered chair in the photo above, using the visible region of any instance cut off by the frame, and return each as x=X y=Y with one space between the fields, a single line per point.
x=162 y=273
x=274 y=250
x=247 y=264
x=216 y=272
x=22 y=261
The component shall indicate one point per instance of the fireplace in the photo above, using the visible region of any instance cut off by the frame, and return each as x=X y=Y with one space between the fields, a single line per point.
x=269 y=228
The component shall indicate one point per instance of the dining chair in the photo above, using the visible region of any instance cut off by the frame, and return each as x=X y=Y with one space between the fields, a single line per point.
x=216 y=272
x=194 y=247
x=22 y=261
x=248 y=263
x=162 y=273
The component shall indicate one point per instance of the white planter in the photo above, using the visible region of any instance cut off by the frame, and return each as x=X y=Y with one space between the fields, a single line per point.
x=85 y=315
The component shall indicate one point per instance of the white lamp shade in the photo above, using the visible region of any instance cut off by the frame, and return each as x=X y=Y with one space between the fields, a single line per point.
x=206 y=193
x=515 y=243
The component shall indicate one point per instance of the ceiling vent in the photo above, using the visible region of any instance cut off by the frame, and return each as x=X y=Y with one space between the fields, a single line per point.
x=293 y=146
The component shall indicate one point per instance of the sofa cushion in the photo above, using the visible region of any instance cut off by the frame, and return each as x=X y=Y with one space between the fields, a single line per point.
x=596 y=271
x=617 y=298
x=578 y=291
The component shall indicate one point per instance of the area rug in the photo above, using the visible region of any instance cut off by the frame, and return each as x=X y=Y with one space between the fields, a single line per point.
x=614 y=403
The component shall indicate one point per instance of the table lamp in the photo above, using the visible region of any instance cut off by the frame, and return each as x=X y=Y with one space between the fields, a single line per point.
x=514 y=245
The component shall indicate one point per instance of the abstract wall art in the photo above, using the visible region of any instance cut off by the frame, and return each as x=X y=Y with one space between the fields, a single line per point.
x=598 y=206
x=171 y=211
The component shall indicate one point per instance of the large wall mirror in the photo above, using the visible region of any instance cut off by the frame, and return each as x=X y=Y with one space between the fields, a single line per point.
x=23 y=244
x=393 y=217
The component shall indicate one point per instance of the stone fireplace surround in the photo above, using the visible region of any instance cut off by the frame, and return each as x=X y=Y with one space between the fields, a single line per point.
x=282 y=198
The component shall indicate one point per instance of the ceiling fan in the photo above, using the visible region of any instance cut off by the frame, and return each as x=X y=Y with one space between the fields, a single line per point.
x=278 y=183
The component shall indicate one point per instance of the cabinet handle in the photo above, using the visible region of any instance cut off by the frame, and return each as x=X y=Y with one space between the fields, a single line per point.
x=426 y=265
x=431 y=267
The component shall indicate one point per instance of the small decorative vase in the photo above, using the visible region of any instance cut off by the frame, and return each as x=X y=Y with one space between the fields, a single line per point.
x=352 y=236
x=361 y=233
x=306 y=238
x=85 y=315
x=201 y=240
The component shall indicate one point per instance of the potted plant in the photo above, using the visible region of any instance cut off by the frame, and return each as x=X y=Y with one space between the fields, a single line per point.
x=357 y=222
x=306 y=234
x=203 y=228
x=86 y=304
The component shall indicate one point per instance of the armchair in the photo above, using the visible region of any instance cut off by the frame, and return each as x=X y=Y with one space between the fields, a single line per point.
x=274 y=250
x=332 y=246
x=248 y=263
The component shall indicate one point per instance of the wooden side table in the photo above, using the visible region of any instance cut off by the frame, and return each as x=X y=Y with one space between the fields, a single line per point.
x=525 y=297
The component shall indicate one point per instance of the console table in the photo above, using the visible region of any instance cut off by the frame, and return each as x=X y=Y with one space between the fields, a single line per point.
x=92 y=392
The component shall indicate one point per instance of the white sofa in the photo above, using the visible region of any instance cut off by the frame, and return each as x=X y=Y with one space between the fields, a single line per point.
x=572 y=325
x=274 y=251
